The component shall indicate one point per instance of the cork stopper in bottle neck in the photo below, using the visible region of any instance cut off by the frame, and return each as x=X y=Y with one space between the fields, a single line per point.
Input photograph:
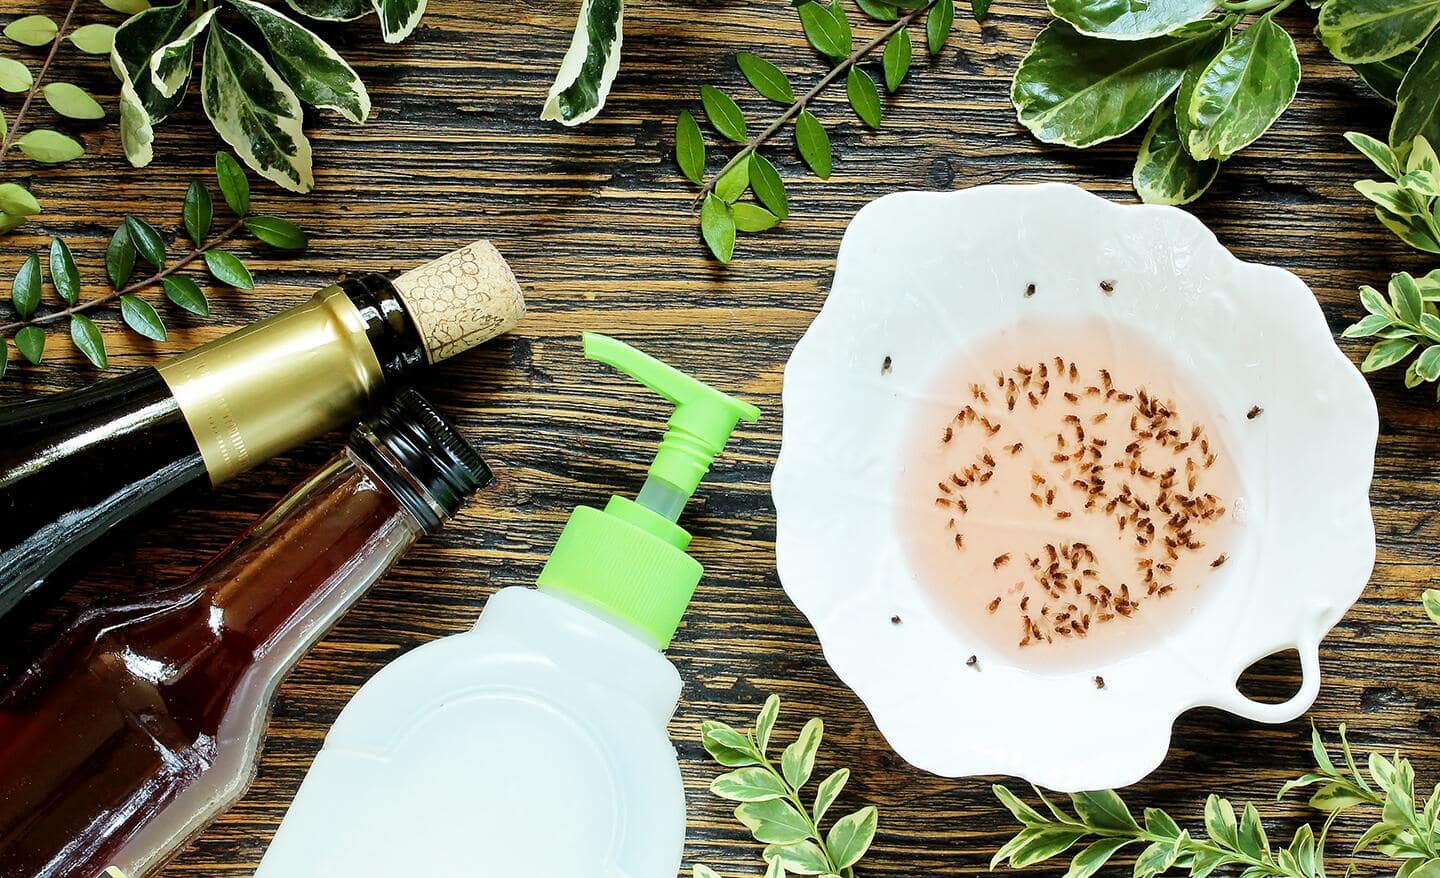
x=462 y=299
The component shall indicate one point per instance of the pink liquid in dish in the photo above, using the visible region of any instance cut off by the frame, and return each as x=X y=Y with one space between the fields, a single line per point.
x=1067 y=497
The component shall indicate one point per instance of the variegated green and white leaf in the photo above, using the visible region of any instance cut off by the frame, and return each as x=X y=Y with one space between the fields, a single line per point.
x=141 y=106
x=398 y=17
x=590 y=64
x=170 y=67
x=318 y=74
x=332 y=10
x=255 y=111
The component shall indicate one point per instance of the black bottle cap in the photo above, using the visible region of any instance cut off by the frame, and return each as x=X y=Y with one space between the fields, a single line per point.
x=421 y=457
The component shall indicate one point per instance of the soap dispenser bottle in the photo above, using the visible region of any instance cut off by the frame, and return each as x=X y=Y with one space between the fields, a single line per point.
x=534 y=744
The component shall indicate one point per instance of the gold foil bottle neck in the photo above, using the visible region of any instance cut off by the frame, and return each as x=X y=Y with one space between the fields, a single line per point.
x=462 y=299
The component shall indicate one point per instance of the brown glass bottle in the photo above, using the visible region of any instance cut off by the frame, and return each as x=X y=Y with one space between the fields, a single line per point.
x=143 y=721
x=75 y=465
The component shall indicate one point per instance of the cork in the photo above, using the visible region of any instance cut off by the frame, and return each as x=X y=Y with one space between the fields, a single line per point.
x=462 y=299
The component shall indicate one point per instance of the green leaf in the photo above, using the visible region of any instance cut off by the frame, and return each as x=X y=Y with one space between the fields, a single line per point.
x=1017 y=806
x=25 y=288
x=32 y=30
x=72 y=102
x=1412 y=230
x=1360 y=31
x=773 y=822
x=850 y=837
x=1367 y=326
x=16 y=200
x=14 y=76
x=30 y=342
x=1156 y=858
x=700 y=871
x=769 y=712
x=1128 y=20
x=234 y=185
x=765 y=182
x=320 y=77
x=1431 y=601
x=1245 y=88
x=1165 y=172
x=864 y=97
x=775 y=869
x=277 y=232
x=50 y=147
x=766 y=78
x=63 y=272
x=93 y=39
x=801 y=857
x=1220 y=820
x=1035 y=844
x=198 y=212
x=717 y=227
x=141 y=317
x=146 y=240
x=1080 y=91
x=228 y=269
x=1384 y=77
x=141 y=106
x=1417 y=100
x=733 y=183
x=1391 y=197
x=1094 y=856
x=813 y=143
x=1379 y=153
x=1405 y=297
x=129 y=7
x=589 y=66
x=1374 y=302
x=724 y=114
x=752 y=217
x=254 y=111
x=88 y=339
x=184 y=292
x=9 y=223
x=979 y=9
x=172 y=63
x=1388 y=353
x=723 y=736
x=1252 y=838
x=1103 y=809
x=798 y=760
x=689 y=148
x=938 y=22
x=828 y=791
x=752 y=784
x=878 y=10
x=898 y=54
x=398 y=18
x=826 y=30
x=1335 y=797
x=120 y=257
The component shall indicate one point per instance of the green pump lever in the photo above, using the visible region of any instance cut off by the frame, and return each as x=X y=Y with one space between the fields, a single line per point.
x=702 y=423
x=628 y=560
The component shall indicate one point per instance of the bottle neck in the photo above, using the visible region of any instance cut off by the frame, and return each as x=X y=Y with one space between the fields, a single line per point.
x=268 y=387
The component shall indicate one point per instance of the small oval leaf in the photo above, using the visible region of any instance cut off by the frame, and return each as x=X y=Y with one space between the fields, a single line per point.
x=228 y=269
x=63 y=272
x=94 y=39
x=813 y=143
x=30 y=342
x=277 y=232
x=765 y=182
x=72 y=101
x=25 y=288
x=898 y=54
x=724 y=114
x=48 y=146
x=120 y=257
x=690 y=148
x=14 y=76
x=766 y=77
x=146 y=240
x=16 y=200
x=141 y=317
x=717 y=227
x=864 y=97
x=88 y=339
x=234 y=185
x=198 y=212
x=183 y=291
x=938 y=22
x=733 y=183
x=32 y=30
x=752 y=218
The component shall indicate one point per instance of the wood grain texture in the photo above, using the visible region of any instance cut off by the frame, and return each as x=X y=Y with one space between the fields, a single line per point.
x=597 y=224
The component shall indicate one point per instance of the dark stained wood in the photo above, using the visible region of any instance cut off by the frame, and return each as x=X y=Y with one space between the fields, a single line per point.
x=598 y=225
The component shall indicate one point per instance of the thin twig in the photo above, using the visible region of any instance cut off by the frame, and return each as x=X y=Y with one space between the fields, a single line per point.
x=106 y=299
x=39 y=78
x=804 y=100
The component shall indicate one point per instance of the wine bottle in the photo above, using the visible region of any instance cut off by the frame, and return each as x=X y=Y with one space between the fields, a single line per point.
x=76 y=464
x=143 y=721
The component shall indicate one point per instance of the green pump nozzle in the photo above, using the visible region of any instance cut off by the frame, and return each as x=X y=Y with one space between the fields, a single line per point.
x=629 y=559
x=702 y=423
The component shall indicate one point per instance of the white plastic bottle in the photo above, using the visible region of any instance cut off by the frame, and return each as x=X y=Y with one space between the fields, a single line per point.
x=533 y=745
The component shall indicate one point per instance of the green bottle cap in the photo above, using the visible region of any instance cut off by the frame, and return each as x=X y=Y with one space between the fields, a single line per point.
x=630 y=559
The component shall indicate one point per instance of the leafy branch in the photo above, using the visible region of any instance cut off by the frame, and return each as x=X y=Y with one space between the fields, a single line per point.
x=45 y=145
x=828 y=30
x=1405 y=829
x=135 y=239
x=771 y=805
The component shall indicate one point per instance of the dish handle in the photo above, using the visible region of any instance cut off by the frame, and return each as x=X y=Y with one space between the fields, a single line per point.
x=1240 y=704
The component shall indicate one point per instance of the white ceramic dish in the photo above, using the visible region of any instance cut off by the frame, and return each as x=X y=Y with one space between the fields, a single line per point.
x=921 y=273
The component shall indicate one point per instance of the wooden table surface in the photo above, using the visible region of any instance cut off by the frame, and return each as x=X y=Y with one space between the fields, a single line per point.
x=597 y=224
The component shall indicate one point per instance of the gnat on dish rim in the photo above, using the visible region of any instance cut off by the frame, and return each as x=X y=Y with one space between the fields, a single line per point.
x=920 y=275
